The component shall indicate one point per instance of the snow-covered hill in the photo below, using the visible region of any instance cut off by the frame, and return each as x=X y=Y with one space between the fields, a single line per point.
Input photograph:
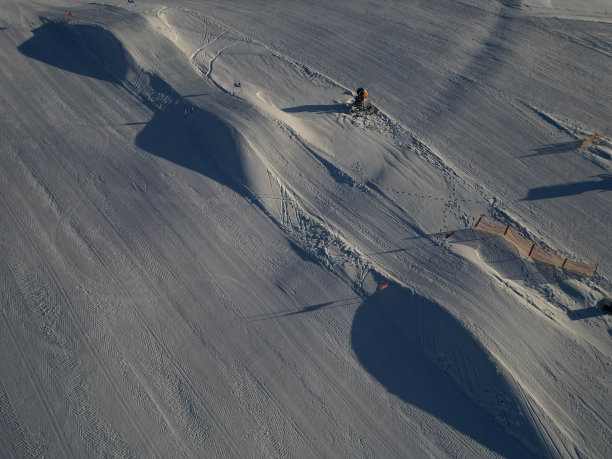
x=203 y=254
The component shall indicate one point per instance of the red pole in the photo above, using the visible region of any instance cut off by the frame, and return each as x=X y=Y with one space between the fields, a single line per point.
x=507 y=228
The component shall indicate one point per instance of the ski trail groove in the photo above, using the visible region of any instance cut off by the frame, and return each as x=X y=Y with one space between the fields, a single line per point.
x=213 y=59
x=197 y=51
x=37 y=387
x=84 y=338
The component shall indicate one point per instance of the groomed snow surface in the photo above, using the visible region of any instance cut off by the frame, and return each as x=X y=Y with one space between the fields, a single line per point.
x=195 y=234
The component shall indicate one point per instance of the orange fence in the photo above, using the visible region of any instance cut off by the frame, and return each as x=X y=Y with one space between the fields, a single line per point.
x=528 y=248
x=594 y=138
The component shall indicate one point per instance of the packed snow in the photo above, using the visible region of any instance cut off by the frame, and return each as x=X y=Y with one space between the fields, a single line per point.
x=203 y=254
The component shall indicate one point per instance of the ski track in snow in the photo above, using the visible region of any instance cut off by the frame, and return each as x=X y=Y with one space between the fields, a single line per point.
x=248 y=216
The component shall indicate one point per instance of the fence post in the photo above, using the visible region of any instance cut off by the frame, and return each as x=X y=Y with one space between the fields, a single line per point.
x=531 y=250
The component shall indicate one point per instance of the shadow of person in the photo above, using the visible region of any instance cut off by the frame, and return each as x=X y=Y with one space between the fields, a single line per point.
x=423 y=355
x=195 y=138
x=333 y=108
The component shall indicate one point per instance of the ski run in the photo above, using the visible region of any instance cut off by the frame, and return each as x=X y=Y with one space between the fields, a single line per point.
x=205 y=253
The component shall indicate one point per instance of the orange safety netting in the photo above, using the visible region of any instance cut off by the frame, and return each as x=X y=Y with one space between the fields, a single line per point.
x=580 y=267
x=547 y=257
x=484 y=225
x=594 y=138
x=531 y=250
x=524 y=245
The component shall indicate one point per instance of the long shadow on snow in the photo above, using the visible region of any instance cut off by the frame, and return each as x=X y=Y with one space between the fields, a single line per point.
x=604 y=183
x=193 y=138
x=422 y=354
x=554 y=149
x=586 y=313
x=333 y=108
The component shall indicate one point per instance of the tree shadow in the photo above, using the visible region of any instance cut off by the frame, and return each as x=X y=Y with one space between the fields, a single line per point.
x=333 y=108
x=554 y=149
x=423 y=355
x=604 y=183
x=178 y=132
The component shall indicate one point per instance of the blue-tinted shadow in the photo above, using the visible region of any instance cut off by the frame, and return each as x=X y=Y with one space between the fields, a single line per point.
x=554 y=149
x=178 y=131
x=423 y=355
x=603 y=183
x=83 y=49
x=586 y=313
x=334 y=108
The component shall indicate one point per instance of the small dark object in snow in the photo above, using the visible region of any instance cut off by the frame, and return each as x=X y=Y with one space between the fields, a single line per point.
x=369 y=110
x=188 y=109
x=237 y=91
x=361 y=106
x=606 y=305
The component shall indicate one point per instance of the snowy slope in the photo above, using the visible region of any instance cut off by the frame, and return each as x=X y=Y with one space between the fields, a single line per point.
x=592 y=10
x=194 y=229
